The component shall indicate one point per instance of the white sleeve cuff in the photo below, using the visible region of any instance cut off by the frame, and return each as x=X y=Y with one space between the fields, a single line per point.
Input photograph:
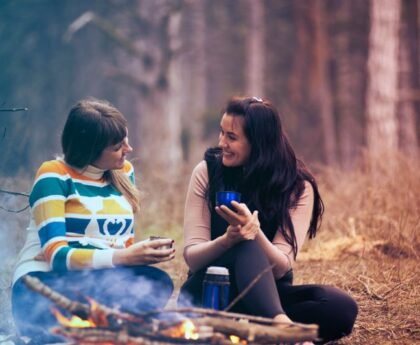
x=102 y=258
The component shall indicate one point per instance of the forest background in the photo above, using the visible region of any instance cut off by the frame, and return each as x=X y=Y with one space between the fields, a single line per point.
x=343 y=73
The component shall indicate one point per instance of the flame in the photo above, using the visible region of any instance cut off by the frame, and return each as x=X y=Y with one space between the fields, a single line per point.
x=98 y=317
x=236 y=340
x=185 y=329
x=189 y=330
x=74 y=321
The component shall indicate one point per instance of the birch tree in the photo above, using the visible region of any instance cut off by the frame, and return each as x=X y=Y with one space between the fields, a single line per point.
x=196 y=70
x=408 y=78
x=255 y=69
x=382 y=87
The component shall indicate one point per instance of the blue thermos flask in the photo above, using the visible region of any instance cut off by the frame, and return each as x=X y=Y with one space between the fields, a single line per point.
x=216 y=288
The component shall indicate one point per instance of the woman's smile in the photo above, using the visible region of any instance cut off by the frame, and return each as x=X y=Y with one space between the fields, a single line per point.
x=233 y=141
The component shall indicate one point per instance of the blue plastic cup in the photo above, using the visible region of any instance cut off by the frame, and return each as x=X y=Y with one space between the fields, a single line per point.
x=226 y=197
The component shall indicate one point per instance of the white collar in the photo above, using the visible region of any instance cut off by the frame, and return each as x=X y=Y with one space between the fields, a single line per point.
x=88 y=171
x=93 y=172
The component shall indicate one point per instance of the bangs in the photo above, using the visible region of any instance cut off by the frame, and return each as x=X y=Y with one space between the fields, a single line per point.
x=114 y=130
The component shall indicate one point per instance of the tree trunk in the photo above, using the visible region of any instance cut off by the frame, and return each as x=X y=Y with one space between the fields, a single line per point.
x=196 y=104
x=159 y=104
x=382 y=133
x=255 y=76
x=408 y=78
x=321 y=88
x=350 y=71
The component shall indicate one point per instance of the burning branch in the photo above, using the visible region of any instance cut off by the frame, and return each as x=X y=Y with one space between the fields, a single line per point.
x=254 y=329
x=99 y=314
x=215 y=327
x=73 y=307
x=261 y=334
x=217 y=313
x=98 y=336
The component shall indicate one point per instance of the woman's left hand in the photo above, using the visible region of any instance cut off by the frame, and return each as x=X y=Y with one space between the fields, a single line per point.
x=238 y=233
x=242 y=216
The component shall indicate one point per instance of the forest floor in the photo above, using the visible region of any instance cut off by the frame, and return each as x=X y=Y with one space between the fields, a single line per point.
x=368 y=245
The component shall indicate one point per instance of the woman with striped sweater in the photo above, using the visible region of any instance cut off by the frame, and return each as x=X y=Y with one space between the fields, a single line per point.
x=80 y=239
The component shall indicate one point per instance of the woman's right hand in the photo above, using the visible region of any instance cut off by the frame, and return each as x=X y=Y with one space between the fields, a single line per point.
x=144 y=253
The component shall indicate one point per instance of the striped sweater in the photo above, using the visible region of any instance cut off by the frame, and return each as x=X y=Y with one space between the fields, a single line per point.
x=76 y=221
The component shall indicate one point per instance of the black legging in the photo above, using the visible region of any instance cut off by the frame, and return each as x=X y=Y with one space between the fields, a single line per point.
x=330 y=308
x=135 y=289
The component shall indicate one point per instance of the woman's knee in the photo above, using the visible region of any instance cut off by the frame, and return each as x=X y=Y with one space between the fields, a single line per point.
x=249 y=251
x=340 y=312
x=160 y=278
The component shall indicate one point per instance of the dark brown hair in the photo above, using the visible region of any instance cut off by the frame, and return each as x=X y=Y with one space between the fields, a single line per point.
x=91 y=126
x=273 y=179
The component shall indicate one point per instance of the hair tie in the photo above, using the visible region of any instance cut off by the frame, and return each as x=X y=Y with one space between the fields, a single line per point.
x=258 y=99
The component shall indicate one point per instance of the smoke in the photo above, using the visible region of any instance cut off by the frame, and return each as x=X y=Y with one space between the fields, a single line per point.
x=12 y=226
x=12 y=236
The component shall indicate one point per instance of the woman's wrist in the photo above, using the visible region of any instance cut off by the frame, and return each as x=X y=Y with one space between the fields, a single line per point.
x=260 y=235
x=224 y=241
x=119 y=257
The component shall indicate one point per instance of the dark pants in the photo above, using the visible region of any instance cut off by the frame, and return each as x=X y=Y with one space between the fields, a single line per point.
x=135 y=289
x=330 y=308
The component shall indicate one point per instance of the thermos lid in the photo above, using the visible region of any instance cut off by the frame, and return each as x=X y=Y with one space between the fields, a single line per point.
x=217 y=270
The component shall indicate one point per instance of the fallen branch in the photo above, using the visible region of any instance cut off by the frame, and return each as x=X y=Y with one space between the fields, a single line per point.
x=87 y=336
x=215 y=313
x=99 y=315
x=91 y=336
x=137 y=329
x=73 y=307
x=259 y=334
x=368 y=290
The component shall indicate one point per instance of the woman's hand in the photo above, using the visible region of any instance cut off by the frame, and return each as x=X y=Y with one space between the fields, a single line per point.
x=241 y=217
x=144 y=253
x=238 y=233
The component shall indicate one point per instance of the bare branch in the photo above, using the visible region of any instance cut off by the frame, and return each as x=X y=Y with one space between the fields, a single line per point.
x=14 y=193
x=14 y=211
x=129 y=79
x=108 y=29
x=14 y=109
x=78 y=24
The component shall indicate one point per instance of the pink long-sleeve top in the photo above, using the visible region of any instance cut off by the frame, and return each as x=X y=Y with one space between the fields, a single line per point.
x=200 y=250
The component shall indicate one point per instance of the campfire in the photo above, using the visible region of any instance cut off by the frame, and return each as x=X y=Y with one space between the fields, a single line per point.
x=94 y=323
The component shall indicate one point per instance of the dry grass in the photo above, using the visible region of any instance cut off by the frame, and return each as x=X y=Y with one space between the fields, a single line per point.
x=368 y=244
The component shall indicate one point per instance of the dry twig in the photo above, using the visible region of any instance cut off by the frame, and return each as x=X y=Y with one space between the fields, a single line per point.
x=250 y=285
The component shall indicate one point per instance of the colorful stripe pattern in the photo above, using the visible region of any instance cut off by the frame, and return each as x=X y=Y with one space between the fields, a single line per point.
x=78 y=219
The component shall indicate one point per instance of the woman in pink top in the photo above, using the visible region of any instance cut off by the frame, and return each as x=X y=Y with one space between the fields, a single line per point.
x=280 y=206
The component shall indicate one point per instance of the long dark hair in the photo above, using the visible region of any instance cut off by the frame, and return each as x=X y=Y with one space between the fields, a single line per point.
x=273 y=179
x=91 y=126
